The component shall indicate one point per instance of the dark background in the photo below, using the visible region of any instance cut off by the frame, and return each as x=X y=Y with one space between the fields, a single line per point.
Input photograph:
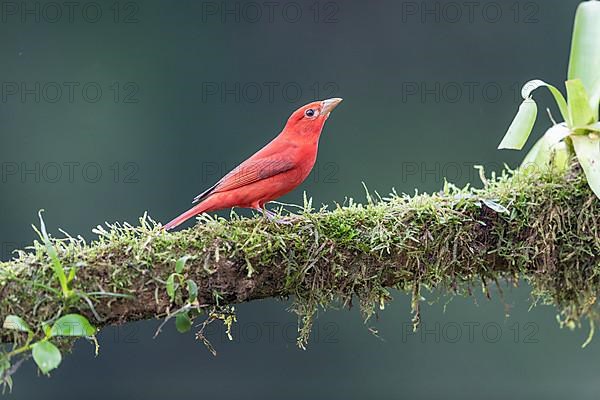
x=168 y=96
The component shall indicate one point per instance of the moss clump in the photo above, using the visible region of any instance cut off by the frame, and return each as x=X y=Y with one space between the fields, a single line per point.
x=543 y=228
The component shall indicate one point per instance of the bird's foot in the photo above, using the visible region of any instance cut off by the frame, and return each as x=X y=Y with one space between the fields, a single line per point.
x=271 y=216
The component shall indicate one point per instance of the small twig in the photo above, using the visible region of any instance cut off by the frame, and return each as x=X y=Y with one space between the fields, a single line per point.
x=185 y=308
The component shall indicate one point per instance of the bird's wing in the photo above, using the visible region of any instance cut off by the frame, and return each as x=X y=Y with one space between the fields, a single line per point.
x=248 y=172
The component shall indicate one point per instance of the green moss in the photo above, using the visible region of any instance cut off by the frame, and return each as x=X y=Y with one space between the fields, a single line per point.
x=452 y=241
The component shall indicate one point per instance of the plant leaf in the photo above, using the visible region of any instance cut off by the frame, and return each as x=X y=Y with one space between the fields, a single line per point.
x=57 y=267
x=72 y=325
x=585 y=51
x=530 y=86
x=550 y=150
x=16 y=323
x=521 y=127
x=192 y=290
x=561 y=157
x=183 y=323
x=542 y=157
x=180 y=264
x=171 y=287
x=580 y=112
x=587 y=148
x=46 y=355
x=595 y=99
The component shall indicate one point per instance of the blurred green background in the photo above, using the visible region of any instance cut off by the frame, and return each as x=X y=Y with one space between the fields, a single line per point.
x=111 y=109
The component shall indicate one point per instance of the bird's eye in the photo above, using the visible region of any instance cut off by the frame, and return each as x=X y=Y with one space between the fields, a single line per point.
x=310 y=112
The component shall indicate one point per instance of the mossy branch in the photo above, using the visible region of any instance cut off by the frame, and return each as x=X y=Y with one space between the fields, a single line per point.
x=543 y=228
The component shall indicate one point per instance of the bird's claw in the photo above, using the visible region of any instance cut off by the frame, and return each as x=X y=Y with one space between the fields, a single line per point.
x=282 y=221
x=271 y=216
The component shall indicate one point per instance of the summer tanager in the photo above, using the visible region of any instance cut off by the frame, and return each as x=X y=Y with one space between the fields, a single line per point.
x=273 y=171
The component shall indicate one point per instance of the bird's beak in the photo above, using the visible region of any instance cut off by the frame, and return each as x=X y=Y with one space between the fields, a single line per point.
x=328 y=105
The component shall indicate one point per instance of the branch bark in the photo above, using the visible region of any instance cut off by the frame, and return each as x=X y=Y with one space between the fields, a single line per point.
x=542 y=228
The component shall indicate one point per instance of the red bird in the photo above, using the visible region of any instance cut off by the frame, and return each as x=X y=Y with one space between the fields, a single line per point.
x=276 y=169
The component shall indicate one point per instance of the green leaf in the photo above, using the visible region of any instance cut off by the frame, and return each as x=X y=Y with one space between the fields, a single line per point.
x=550 y=150
x=192 y=290
x=47 y=330
x=585 y=49
x=180 y=264
x=521 y=127
x=71 y=276
x=57 y=267
x=561 y=157
x=580 y=112
x=587 y=148
x=530 y=86
x=46 y=356
x=183 y=323
x=171 y=287
x=595 y=99
x=72 y=325
x=16 y=323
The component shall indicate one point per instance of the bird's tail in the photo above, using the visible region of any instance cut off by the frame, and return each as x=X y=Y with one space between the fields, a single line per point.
x=198 y=209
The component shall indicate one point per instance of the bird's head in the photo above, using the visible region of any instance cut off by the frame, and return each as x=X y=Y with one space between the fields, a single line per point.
x=309 y=119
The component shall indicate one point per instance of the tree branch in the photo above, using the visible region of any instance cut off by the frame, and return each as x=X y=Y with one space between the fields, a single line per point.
x=541 y=228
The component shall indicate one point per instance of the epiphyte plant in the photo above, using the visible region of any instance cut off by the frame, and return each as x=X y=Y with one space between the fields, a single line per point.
x=579 y=134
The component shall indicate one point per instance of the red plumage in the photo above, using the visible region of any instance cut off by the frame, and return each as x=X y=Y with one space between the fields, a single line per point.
x=273 y=171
